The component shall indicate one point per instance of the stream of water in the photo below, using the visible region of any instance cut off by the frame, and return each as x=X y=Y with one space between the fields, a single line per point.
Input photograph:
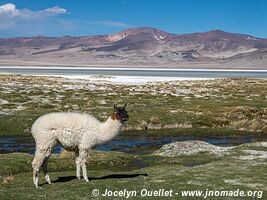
x=129 y=144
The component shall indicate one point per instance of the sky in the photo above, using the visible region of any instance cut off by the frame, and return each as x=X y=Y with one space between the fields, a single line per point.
x=91 y=17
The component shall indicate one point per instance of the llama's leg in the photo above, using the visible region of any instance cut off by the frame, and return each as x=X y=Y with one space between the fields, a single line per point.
x=78 y=164
x=83 y=156
x=36 y=164
x=41 y=154
x=44 y=165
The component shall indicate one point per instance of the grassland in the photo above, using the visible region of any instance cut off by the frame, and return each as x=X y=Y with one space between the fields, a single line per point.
x=221 y=104
x=243 y=168
x=207 y=107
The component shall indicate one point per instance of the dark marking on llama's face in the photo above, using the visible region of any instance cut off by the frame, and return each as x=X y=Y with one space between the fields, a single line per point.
x=120 y=113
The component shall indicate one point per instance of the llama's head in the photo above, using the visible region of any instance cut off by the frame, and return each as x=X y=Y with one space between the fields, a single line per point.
x=120 y=113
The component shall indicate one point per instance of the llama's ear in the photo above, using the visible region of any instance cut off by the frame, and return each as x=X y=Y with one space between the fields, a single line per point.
x=115 y=106
x=125 y=105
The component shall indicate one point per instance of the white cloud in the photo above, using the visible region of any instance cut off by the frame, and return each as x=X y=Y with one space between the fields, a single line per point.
x=10 y=11
x=54 y=11
x=25 y=22
x=9 y=7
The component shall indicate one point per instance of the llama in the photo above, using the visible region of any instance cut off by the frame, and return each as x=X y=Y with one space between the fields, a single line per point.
x=76 y=132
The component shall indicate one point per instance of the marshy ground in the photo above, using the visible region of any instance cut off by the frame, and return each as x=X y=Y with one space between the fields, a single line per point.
x=235 y=104
x=206 y=107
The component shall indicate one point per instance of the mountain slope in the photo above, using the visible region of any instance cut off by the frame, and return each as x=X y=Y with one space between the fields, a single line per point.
x=139 y=46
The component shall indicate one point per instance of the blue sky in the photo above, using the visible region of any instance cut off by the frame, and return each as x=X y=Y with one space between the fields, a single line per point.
x=91 y=17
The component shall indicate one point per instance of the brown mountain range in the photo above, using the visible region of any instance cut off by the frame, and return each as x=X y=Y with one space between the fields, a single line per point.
x=139 y=47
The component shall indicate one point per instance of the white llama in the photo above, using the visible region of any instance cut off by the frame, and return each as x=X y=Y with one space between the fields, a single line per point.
x=73 y=131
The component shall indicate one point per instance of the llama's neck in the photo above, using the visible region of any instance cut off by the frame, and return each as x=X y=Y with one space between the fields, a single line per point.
x=109 y=129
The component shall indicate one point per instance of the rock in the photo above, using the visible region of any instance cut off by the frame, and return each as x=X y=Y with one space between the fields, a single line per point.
x=190 y=148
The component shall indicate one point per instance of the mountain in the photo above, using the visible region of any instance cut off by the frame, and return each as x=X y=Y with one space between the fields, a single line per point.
x=139 y=46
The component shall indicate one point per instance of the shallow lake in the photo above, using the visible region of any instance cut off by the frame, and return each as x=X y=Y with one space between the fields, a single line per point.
x=130 y=144
x=183 y=73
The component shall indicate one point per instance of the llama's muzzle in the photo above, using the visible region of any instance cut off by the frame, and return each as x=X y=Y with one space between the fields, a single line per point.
x=125 y=118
